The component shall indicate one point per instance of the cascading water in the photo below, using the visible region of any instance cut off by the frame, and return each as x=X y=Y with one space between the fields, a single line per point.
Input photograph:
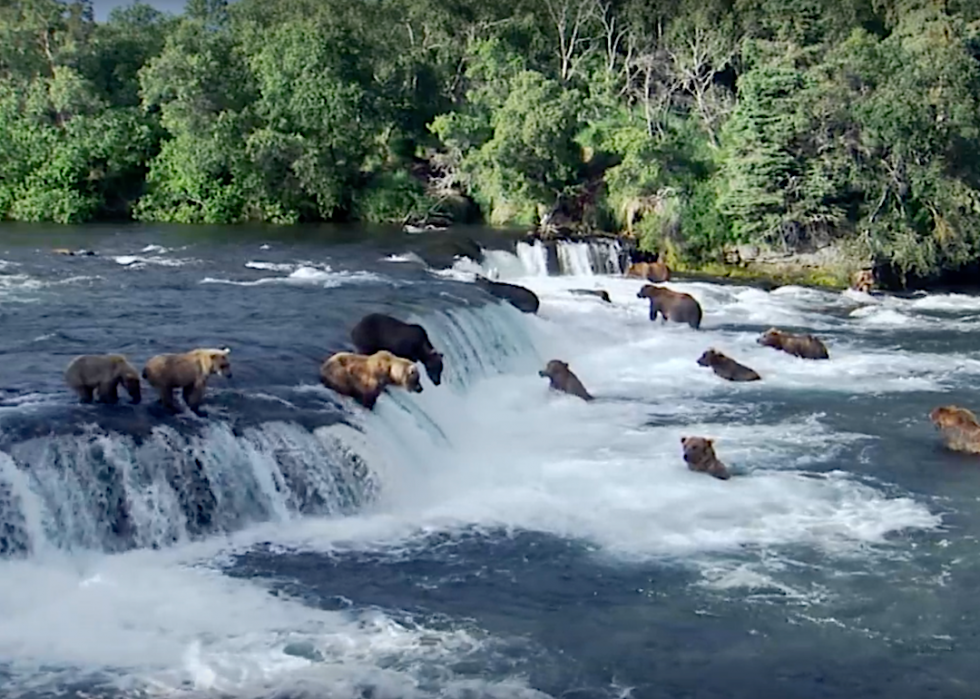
x=568 y=258
x=106 y=490
x=534 y=258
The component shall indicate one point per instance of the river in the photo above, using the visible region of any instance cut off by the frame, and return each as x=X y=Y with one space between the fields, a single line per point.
x=485 y=538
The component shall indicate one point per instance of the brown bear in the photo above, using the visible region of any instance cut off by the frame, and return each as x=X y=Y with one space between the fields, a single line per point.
x=365 y=377
x=651 y=271
x=959 y=428
x=563 y=379
x=601 y=293
x=672 y=305
x=804 y=346
x=102 y=374
x=699 y=453
x=726 y=367
x=188 y=371
x=863 y=280
x=378 y=331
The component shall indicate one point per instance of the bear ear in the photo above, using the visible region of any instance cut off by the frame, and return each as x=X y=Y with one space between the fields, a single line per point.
x=710 y=442
x=225 y=350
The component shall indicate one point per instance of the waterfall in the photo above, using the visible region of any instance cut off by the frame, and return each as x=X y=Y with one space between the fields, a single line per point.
x=564 y=257
x=103 y=489
x=534 y=258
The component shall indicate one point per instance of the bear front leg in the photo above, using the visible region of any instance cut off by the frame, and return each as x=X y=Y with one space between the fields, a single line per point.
x=108 y=392
x=194 y=396
x=84 y=394
x=167 y=399
x=653 y=311
x=369 y=397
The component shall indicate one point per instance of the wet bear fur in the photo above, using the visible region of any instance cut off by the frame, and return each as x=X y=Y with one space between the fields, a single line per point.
x=699 y=453
x=365 y=377
x=651 y=271
x=959 y=428
x=726 y=367
x=520 y=298
x=601 y=293
x=672 y=305
x=804 y=346
x=377 y=331
x=101 y=374
x=189 y=372
x=863 y=280
x=563 y=379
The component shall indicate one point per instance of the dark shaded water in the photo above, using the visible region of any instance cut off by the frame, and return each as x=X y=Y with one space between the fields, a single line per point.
x=483 y=538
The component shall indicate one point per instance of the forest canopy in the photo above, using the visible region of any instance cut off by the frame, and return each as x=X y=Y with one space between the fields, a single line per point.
x=697 y=124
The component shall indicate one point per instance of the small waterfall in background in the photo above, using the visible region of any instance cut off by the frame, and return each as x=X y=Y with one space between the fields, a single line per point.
x=564 y=257
x=534 y=258
x=107 y=490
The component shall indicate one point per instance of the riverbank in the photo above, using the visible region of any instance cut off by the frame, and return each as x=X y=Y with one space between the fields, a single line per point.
x=825 y=268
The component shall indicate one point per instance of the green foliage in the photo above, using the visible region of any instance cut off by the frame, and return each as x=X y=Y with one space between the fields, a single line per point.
x=693 y=125
x=391 y=197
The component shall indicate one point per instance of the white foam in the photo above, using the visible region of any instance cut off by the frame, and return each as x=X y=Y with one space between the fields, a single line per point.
x=271 y=266
x=506 y=453
x=493 y=448
x=407 y=257
x=140 y=261
x=164 y=627
x=304 y=275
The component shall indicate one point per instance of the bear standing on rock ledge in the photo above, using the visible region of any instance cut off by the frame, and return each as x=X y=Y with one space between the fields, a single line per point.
x=520 y=298
x=188 y=371
x=101 y=374
x=377 y=331
x=364 y=378
x=651 y=271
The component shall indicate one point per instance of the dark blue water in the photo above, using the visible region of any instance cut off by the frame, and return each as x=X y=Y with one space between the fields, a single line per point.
x=483 y=538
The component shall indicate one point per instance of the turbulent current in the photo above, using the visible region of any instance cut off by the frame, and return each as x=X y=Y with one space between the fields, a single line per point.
x=485 y=538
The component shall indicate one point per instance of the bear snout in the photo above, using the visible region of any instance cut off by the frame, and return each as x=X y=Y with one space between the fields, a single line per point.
x=543 y=374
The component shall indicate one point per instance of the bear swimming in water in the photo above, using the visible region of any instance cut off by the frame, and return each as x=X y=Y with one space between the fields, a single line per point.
x=672 y=305
x=378 y=331
x=188 y=371
x=563 y=379
x=101 y=374
x=726 y=367
x=520 y=298
x=651 y=271
x=959 y=428
x=803 y=346
x=699 y=453
x=365 y=377
x=601 y=293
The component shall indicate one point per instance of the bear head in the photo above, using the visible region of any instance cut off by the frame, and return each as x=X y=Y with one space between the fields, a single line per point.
x=433 y=366
x=215 y=361
x=710 y=357
x=407 y=375
x=649 y=291
x=771 y=338
x=953 y=416
x=555 y=367
x=697 y=450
